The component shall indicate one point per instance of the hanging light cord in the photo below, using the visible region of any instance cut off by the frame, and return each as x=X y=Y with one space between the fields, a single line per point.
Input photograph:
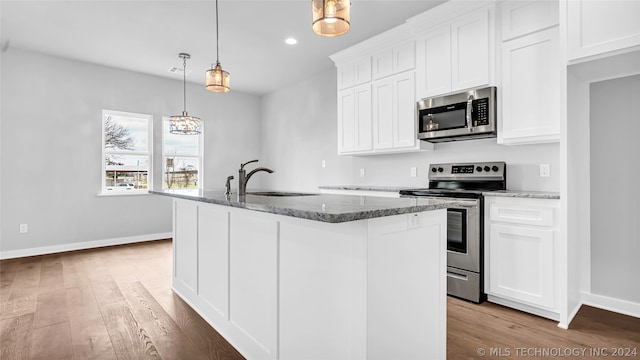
x=217 y=40
x=184 y=82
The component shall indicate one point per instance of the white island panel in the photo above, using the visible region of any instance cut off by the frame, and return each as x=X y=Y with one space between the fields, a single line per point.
x=322 y=290
x=254 y=281
x=213 y=258
x=405 y=265
x=185 y=265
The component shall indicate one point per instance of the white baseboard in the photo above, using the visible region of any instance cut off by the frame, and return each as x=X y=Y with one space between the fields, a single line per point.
x=572 y=315
x=44 y=250
x=524 y=307
x=608 y=303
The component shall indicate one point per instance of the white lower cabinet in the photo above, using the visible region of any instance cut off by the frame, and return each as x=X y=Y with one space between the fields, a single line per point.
x=522 y=264
x=522 y=254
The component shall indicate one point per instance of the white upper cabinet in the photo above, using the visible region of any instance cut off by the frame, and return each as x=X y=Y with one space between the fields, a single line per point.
x=434 y=62
x=531 y=89
x=394 y=60
x=455 y=55
x=470 y=51
x=376 y=95
x=354 y=73
x=525 y=17
x=354 y=119
x=530 y=98
x=601 y=28
x=393 y=115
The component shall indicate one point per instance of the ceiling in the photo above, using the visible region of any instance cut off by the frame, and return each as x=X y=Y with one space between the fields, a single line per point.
x=147 y=35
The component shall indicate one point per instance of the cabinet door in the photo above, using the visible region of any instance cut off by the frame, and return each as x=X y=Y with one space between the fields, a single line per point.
x=346 y=121
x=354 y=119
x=531 y=89
x=525 y=17
x=362 y=96
x=404 y=57
x=521 y=264
x=354 y=73
x=382 y=63
x=404 y=111
x=433 y=65
x=598 y=27
x=470 y=51
x=383 y=114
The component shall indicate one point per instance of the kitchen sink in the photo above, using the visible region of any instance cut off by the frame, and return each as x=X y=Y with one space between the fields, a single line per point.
x=278 y=193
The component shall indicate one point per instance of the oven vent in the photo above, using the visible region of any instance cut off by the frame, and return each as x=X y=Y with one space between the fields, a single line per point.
x=178 y=70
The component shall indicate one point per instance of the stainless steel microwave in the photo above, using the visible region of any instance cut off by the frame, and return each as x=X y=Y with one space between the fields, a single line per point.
x=462 y=116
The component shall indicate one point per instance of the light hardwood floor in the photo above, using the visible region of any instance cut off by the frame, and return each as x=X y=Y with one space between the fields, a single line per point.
x=117 y=303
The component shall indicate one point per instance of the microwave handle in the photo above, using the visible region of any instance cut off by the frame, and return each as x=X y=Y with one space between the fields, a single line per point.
x=469 y=110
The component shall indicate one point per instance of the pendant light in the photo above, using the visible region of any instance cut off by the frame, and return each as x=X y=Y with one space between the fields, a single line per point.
x=184 y=124
x=331 y=17
x=217 y=80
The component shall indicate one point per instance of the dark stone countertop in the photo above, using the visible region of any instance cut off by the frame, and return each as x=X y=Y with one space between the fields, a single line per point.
x=318 y=207
x=523 y=194
x=501 y=193
x=367 y=187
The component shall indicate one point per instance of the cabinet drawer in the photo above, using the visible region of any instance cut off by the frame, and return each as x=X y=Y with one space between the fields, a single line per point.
x=529 y=215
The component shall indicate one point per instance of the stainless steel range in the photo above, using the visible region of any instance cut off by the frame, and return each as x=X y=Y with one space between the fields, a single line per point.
x=465 y=183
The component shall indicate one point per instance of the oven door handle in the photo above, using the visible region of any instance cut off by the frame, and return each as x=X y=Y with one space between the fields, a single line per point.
x=457 y=276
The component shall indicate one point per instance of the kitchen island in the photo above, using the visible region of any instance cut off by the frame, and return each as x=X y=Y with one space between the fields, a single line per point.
x=314 y=276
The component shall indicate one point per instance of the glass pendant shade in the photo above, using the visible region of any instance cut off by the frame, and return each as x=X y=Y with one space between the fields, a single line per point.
x=184 y=124
x=217 y=80
x=331 y=17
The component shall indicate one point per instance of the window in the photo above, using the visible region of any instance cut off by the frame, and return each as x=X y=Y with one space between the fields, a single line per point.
x=127 y=148
x=181 y=159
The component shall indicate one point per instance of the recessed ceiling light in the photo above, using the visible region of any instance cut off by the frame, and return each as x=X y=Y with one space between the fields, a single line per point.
x=291 y=41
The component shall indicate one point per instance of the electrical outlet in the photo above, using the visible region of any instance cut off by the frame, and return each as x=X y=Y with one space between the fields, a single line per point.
x=362 y=172
x=415 y=220
x=545 y=170
x=324 y=164
x=414 y=171
x=23 y=228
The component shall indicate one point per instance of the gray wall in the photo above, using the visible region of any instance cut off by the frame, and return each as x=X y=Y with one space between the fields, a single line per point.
x=615 y=195
x=51 y=147
x=300 y=130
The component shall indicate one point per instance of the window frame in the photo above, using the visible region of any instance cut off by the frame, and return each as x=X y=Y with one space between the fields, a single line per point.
x=200 y=156
x=148 y=154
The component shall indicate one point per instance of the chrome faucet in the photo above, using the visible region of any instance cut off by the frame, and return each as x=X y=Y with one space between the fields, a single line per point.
x=243 y=177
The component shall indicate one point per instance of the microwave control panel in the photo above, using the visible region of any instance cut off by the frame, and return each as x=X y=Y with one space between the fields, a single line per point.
x=481 y=112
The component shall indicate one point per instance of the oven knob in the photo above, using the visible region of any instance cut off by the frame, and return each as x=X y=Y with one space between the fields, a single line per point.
x=433 y=169
x=486 y=168
x=479 y=169
x=440 y=169
x=494 y=168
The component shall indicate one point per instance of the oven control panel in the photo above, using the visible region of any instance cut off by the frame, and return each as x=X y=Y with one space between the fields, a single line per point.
x=459 y=170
